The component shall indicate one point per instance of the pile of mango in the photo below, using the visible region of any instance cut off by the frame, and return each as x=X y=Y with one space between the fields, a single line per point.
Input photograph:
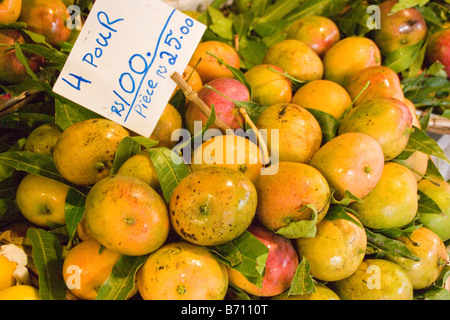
x=308 y=173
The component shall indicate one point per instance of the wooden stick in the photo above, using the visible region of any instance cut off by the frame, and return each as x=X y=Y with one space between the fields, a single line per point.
x=262 y=143
x=191 y=95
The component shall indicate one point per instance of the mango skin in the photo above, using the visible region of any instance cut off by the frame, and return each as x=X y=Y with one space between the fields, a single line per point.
x=393 y=201
x=350 y=162
x=212 y=206
x=43 y=139
x=282 y=196
x=401 y=29
x=299 y=133
x=178 y=270
x=394 y=283
x=348 y=56
x=430 y=249
x=336 y=251
x=439 y=192
x=296 y=58
x=322 y=293
x=132 y=209
x=317 y=32
x=388 y=120
x=384 y=82
x=85 y=151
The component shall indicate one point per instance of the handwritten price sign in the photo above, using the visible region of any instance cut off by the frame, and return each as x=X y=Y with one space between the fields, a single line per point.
x=121 y=63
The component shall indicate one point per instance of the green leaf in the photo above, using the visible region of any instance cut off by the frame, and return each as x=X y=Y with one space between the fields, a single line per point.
x=433 y=172
x=170 y=169
x=327 y=8
x=389 y=246
x=221 y=25
x=122 y=279
x=394 y=233
x=126 y=149
x=406 y=4
x=30 y=162
x=302 y=228
x=25 y=121
x=337 y=212
x=51 y=54
x=242 y=23
x=327 y=122
x=67 y=114
x=346 y=200
x=420 y=141
x=303 y=283
x=74 y=210
x=433 y=293
x=402 y=58
x=47 y=256
x=251 y=51
x=38 y=38
x=246 y=254
x=427 y=205
x=278 y=11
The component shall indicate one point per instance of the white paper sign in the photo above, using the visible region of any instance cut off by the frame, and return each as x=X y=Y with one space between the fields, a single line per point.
x=122 y=61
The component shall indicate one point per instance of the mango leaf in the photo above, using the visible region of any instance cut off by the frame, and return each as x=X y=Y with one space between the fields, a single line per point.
x=402 y=58
x=393 y=233
x=325 y=8
x=406 y=4
x=122 y=279
x=67 y=114
x=246 y=254
x=126 y=149
x=389 y=246
x=420 y=141
x=433 y=172
x=47 y=256
x=346 y=200
x=30 y=162
x=302 y=228
x=49 y=53
x=221 y=25
x=433 y=293
x=25 y=121
x=278 y=11
x=426 y=205
x=251 y=50
x=303 y=283
x=327 y=122
x=170 y=169
x=37 y=38
x=337 y=212
x=74 y=210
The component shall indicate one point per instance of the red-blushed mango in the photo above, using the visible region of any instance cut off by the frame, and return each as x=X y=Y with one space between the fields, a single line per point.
x=387 y=120
x=231 y=151
x=438 y=49
x=207 y=66
x=375 y=279
x=182 y=271
x=292 y=132
x=337 y=249
x=269 y=87
x=350 y=162
x=398 y=30
x=317 y=32
x=281 y=264
x=213 y=206
x=439 y=192
x=126 y=215
x=349 y=56
x=323 y=95
x=283 y=197
x=393 y=202
x=431 y=252
x=384 y=82
x=296 y=58
x=225 y=108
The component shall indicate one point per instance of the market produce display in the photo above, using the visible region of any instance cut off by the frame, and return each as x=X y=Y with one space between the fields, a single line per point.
x=311 y=171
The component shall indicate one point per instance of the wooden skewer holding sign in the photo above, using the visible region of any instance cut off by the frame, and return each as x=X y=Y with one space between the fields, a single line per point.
x=191 y=95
